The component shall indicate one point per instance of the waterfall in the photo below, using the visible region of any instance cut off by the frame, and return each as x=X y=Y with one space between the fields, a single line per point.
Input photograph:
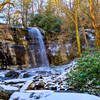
x=36 y=48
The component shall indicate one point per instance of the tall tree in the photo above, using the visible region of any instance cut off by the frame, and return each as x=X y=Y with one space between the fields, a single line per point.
x=77 y=29
x=94 y=22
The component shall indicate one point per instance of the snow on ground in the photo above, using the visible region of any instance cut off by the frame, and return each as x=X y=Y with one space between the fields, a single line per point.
x=49 y=95
x=40 y=84
x=17 y=80
x=30 y=95
x=70 y=96
x=7 y=87
x=26 y=85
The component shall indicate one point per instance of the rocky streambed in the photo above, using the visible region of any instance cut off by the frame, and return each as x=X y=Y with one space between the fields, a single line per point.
x=35 y=84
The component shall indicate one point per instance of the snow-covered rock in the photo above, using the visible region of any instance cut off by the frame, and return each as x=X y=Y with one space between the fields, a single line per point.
x=53 y=79
x=6 y=91
x=8 y=88
x=26 y=85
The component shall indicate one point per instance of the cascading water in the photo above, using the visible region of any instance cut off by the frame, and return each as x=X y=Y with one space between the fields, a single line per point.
x=36 y=48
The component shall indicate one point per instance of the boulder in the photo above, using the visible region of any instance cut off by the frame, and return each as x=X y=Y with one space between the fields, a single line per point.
x=12 y=74
x=6 y=91
x=40 y=85
x=4 y=95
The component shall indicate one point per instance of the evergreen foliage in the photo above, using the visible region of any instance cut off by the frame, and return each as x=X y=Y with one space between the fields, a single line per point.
x=85 y=77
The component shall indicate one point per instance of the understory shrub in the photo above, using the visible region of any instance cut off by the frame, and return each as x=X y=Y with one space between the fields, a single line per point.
x=85 y=77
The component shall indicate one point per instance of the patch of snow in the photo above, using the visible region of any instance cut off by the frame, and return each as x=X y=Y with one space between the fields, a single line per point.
x=71 y=64
x=2 y=73
x=90 y=30
x=54 y=48
x=26 y=85
x=53 y=53
x=20 y=96
x=91 y=36
x=8 y=88
x=68 y=45
x=21 y=75
x=18 y=80
x=30 y=95
x=70 y=96
x=67 y=51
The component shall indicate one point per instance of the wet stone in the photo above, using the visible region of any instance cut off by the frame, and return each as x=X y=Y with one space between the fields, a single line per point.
x=54 y=88
x=40 y=85
x=12 y=74
x=4 y=95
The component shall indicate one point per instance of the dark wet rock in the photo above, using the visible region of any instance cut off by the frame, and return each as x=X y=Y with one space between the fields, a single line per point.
x=26 y=75
x=12 y=74
x=6 y=91
x=38 y=77
x=54 y=88
x=49 y=84
x=44 y=72
x=60 y=83
x=14 y=81
x=62 y=89
x=30 y=85
x=37 y=96
x=4 y=95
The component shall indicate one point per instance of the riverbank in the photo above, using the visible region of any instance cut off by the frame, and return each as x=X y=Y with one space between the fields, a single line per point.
x=36 y=83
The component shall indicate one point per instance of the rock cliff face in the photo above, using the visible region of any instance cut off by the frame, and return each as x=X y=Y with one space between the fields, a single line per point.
x=14 y=47
x=60 y=48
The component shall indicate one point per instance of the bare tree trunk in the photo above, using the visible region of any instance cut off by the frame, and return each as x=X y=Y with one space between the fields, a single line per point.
x=84 y=34
x=22 y=13
x=26 y=15
x=8 y=19
x=94 y=23
x=70 y=4
x=32 y=7
x=77 y=30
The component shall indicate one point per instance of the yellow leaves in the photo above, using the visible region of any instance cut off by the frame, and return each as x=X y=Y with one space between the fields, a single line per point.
x=55 y=2
x=6 y=2
x=26 y=2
